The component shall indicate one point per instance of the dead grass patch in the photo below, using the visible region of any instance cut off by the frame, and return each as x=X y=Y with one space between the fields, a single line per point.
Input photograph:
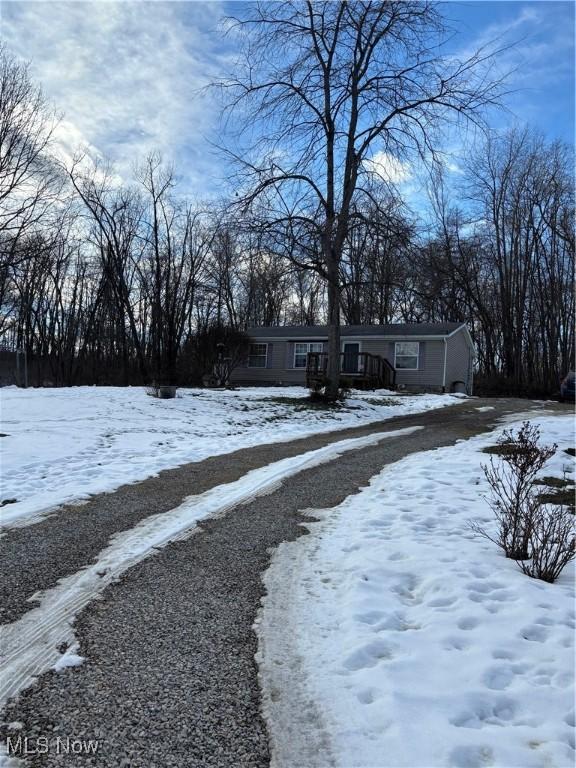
x=553 y=482
x=380 y=400
x=560 y=496
x=307 y=404
x=506 y=449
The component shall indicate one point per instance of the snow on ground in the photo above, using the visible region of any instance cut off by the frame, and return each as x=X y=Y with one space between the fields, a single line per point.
x=61 y=445
x=29 y=646
x=406 y=642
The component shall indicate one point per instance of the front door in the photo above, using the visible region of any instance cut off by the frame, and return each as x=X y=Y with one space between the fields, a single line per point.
x=351 y=351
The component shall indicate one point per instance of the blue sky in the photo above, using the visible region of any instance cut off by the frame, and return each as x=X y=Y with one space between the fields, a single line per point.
x=127 y=75
x=543 y=57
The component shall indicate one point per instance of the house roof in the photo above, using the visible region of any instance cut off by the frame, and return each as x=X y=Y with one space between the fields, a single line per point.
x=389 y=329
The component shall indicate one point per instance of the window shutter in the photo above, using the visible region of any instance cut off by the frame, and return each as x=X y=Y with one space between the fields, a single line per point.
x=289 y=354
x=269 y=356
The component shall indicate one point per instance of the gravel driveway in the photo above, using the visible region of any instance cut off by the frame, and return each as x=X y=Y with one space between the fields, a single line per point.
x=170 y=677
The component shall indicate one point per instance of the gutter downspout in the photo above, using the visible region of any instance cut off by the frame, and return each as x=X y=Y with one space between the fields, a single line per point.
x=444 y=373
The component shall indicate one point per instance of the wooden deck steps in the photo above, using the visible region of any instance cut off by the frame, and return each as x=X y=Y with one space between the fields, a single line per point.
x=360 y=370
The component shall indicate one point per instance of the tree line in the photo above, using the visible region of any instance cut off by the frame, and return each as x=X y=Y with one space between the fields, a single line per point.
x=108 y=281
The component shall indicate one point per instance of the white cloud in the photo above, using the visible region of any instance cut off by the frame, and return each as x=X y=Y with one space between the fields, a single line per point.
x=389 y=168
x=453 y=167
x=126 y=75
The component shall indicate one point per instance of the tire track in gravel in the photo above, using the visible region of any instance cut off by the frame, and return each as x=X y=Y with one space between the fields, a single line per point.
x=170 y=677
x=29 y=646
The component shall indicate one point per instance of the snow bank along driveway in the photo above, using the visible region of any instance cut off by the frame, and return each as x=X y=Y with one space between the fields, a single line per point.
x=61 y=445
x=392 y=637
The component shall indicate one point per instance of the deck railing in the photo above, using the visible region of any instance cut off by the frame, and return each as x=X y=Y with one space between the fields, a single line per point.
x=359 y=368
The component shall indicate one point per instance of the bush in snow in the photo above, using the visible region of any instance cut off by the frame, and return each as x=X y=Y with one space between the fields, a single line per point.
x=552 y=543
x=539 y=538
x=511 y=475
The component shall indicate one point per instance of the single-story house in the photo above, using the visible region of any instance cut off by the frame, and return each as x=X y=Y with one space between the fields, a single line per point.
x=433 y=357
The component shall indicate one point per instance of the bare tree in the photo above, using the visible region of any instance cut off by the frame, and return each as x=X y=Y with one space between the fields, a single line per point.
x=354 y=79
x=104 y=281
x=176 y=245
x=308 y=307
x=116 y=214
x=523 y=195
x=29 y=179
x=374 y=262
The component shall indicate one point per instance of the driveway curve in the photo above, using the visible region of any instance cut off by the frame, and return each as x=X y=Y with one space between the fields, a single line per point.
x=169 y=677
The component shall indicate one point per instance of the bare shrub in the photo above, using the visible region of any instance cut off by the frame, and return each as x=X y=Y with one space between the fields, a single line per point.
x=540 y=538
x=512 y=498
x=552 y=543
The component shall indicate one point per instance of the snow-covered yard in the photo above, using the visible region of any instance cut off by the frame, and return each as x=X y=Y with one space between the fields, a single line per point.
x=391 y=636
x=60 y=445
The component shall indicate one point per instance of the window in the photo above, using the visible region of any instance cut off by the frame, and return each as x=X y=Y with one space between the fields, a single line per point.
x=406 y=355
x=258 y=356
x=301 y=350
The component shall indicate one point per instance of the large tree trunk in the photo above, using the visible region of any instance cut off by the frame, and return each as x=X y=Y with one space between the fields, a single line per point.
x=333 y=332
